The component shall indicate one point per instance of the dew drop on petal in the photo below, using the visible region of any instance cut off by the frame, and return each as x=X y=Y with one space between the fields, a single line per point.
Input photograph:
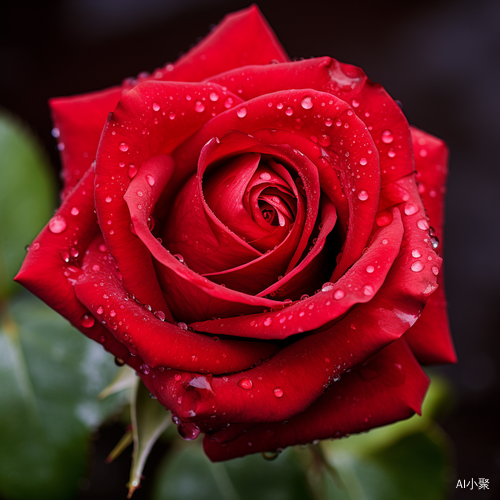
x=387 y=137
x=144 y=369
x=268 y=321
x=182 y=325
x=415 y=253
x=228 y=103
x=75 y=211
x=328 y=122
x=363 y=162
x=151 y=180
x=307 y=103
x=242 y=112
x=391 y=153
x=171 y=115
x=368 y=290
x=123 y=146
x=100 y=310
x=289 y=111
x=417 y=266
x=245 y=383
x=423 y=224
x=435 y=270
x=370 y=269
x=57 y=224
x=214 y=97
x=411 y=208
x=177 y=377
x=87 y=321
x=363 y=195
x=339 y=294
x=156 y=106
x=327 y=287
x=199 y=107
x=278 y=392
x=108 y=199
x=265 y=176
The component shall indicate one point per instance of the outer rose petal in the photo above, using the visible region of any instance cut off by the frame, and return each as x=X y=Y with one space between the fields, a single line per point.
x=80 y=119
x=53 y=263
x=430 y=337
x=390 y=388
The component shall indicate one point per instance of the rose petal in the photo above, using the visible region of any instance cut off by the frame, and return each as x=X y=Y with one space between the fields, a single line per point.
x=53 y=263
x=390 y=388
x=430 y=337
x=80 y=119
x=158 y=343
x=188 y=294
x=372 y=104
x=356 y=286
x=121 y=153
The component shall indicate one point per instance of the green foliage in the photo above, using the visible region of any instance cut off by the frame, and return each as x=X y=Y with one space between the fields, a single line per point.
x=50 y=376
x=27 y=196
x=187 y=474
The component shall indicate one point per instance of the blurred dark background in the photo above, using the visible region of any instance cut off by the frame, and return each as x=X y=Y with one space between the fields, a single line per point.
x=440 y=58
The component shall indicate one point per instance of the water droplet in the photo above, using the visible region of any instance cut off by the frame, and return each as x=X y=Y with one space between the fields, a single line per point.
x=144 y=369
x=328 y=122
x=387 y=136
x=100 y=310
x=123 y=146
x=417 y=266
x=415 y=253
x=278 y=392
x=363 y=195
x=245 y=383
x=188 y=431
x=214 y=97
x=108 y=199
x=75 y=211
x=177 y=377
x=306 y=103
x=324 y=140
x=64 y=256
x=327 y=287
x=182 y=325
x=363 y=162
x=391 y=153
x=242 y=112
x=289 y=111
x=199 y=107
x=354 y=103
x=151 y=180
x=270 y=455
x=132 y=171
x=370 y=269
x=435 y=270
x=339 y=294
x=338 y=123
x=228 y=103
x=265 y=176
x=179 y=257
x=87 y=321
x=57 y=224
x=268 y=321
x=55 y=132
x=156 y=106
x=368 y=290
x=411 y=208
x=423 y=225
x=171 y=115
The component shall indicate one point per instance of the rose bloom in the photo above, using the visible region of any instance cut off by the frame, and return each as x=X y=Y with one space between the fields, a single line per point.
x=257 y=238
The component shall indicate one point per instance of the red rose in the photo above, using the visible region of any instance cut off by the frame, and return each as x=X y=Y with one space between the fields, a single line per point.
x=259 y=250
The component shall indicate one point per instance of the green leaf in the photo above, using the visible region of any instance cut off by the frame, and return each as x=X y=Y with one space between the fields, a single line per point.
x=125 y=378
x=187 y=474
x=50 y=376
x=408 y=460
x=27 y=196
x=149 y=420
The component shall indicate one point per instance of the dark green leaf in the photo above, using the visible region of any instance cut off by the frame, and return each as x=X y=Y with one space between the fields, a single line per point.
x=50 y=376
x=27 y=197
x=187 y=474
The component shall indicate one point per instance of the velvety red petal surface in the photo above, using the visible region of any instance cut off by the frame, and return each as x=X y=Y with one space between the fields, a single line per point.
x=430 y=337
x=53 y=263
x=390 y=388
